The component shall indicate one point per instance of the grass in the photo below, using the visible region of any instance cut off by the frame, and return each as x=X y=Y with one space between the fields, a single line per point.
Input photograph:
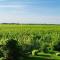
x=11 y=27
x=45 y=56
x=52 y=57
x=32 y=35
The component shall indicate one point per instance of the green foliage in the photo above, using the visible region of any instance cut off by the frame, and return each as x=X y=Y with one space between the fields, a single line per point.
x=30 y=37
x=58 y=54
x=43 y=54
x=57 y=46
x=34 y=52
x=14 y=51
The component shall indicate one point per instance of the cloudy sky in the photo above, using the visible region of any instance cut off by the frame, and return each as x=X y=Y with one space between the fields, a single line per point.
x=30 y=11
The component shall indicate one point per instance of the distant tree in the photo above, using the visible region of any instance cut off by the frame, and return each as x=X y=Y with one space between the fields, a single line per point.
x=14 y=50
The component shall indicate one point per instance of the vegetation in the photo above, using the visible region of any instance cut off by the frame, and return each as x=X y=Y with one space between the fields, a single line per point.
x=29 y=42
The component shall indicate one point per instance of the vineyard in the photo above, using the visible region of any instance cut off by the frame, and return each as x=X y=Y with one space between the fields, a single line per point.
x=35 y=40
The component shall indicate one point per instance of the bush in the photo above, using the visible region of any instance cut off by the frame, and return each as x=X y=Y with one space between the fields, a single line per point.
x=14 y=50
x=1 y=54
x=46 y=48
x=57 y=46
x=1 y=51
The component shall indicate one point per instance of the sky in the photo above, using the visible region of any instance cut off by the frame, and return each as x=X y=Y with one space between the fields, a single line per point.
x=30 y=11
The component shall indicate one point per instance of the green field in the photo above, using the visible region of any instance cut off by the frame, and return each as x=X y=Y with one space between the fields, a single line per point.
x=44 y=38
x=22 y=27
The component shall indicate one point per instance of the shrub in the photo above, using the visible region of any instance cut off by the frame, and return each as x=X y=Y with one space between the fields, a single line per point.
x=1 y=51
x=1 y=54
x=14 y=50
x=57 y=46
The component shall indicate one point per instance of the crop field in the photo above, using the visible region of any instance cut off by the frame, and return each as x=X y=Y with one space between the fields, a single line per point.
x=36 y=41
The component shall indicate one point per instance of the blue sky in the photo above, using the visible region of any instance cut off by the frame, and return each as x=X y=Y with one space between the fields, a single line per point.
x=30 y=11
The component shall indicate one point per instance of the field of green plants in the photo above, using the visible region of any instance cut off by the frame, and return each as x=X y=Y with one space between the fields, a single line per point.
x=37 y=41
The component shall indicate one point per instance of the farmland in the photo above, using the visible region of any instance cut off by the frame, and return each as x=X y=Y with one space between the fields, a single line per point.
x=35 y=39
